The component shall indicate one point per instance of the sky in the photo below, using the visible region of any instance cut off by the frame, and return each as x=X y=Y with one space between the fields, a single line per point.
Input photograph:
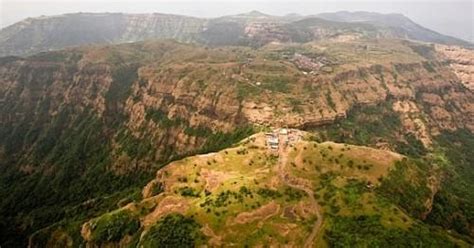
x=451 y=17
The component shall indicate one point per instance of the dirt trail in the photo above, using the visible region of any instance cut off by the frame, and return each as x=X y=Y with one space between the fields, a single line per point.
x=293 y=182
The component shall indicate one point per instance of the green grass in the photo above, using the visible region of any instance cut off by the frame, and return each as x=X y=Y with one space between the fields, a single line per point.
x=245 y=91
x=276 y=84
x=353 y=191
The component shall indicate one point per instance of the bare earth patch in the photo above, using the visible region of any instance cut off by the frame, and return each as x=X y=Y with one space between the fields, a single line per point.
x=214 y=240
x=170 y=204
x=289 y=213
x=284 y=229
x=305 y=210
x=148 y=189
x=262 y=213
x=214 y=178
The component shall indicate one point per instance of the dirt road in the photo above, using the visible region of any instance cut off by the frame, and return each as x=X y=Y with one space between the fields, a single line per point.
x=294 y=183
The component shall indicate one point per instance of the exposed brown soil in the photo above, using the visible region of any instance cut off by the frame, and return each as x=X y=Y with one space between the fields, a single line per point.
x=262 y=213
x=214 y=178
x=215 y=240
x=301 y=185
x=170 y=204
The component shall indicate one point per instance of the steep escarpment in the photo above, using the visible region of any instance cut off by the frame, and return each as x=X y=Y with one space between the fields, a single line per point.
x=461 y=60
x=327 y=87
x=173 y=97
x=398 y=22
x=254 y=29
x=68 y=134
x=85 y=128
x=68 y=30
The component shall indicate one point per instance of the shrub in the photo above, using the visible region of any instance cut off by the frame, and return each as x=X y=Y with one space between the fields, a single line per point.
x=268 y=193
x=330 y=101
x=188 y=191
x=156 y=188
x=160 y=117
x=453 y=205
x=114 y=226
x=406 y=186
x=123 y=77
x=199 y=131
x=294 y=194
x=367 y=231
x=220 y=140
x=174 y=230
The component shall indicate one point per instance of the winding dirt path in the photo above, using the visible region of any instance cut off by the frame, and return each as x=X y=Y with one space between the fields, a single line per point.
x=293 y=182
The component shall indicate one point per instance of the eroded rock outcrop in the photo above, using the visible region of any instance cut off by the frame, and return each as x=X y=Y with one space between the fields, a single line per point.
x=170 y=103
x=462 y=62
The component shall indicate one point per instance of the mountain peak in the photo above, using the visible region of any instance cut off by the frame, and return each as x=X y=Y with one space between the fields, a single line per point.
x=256 y=13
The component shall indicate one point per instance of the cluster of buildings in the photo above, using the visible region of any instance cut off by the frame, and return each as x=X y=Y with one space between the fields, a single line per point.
x=306 y=63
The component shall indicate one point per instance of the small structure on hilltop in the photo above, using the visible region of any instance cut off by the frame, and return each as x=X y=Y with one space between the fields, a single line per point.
x=272 y=140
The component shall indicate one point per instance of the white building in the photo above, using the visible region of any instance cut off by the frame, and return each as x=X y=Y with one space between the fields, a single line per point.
x=284 y=131
x=273 y=142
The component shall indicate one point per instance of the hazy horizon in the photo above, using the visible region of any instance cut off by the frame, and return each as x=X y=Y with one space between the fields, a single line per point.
x=453 y=18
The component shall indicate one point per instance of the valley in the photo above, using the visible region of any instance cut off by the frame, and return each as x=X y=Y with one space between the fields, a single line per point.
x=247 y=130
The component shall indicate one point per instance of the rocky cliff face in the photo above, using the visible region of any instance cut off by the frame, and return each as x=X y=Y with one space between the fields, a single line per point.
x=57 y=32
x=462 y=62
x=256 y=29
x=398 y=23
x=94 y=118
x=133 y=100
x=156 y=101
x=175 y=96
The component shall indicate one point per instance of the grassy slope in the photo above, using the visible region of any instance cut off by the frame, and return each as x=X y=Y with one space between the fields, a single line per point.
x=216 y=190
x=449 y=157
x=278 y=78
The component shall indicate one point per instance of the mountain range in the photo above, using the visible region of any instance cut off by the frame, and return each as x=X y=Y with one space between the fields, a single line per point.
x=47 y=33
x=151 y=130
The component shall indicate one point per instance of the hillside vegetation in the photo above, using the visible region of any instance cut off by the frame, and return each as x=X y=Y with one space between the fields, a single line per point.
x=84 y=130
x=253 y=29
x=364 y=196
